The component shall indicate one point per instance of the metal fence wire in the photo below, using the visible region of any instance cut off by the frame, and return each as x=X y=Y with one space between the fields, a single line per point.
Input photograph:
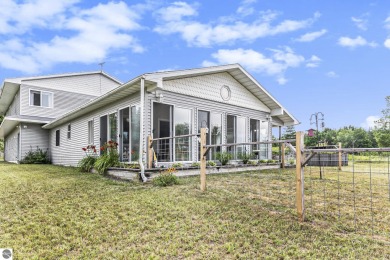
x=355 y=196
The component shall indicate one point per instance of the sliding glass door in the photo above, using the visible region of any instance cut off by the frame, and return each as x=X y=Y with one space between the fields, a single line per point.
x=162 y=127
x=124 y=134
x=264 y=135
x=183 y=126
x=215 y=133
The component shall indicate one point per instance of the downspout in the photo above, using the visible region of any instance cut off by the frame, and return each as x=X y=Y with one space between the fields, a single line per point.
x=141 y=132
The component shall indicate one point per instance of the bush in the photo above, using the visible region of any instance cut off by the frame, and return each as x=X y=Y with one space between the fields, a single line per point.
x=177 y=165
x=263 y=161
x=109 y=158
x=245 y=157
x=223 y=157
x=36 y=157
x=252 y=162
x=211 y=163
x=166 y=178
x=195 y=164
x=86 y=164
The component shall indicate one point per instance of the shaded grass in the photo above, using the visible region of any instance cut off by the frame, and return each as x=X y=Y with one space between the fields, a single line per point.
x=56 y=212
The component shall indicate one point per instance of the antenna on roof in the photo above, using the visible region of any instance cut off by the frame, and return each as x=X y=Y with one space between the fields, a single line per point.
x=101 y=72
x=101 y=66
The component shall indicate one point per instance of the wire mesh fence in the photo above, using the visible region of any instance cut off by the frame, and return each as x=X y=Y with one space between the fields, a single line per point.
x=356 y=196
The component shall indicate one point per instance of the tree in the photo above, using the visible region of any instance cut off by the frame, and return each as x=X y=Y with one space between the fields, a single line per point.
x=289 y=133
x=382 y=128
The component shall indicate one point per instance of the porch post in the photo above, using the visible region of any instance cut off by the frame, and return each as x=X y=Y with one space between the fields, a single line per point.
x=141 y=130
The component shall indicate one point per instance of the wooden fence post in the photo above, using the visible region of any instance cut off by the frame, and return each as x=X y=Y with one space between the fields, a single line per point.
x=300 y=177
x=283 y=156
x=150 y=152
x=340 y=158
x=203 y=132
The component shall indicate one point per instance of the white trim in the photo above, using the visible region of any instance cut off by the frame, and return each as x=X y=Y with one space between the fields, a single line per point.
x=41 y=92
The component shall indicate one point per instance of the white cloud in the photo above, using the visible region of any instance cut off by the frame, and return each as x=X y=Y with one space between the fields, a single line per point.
x=176 y=12
x=313 y=62
x=370 y=122
x=34 y=13
x=246 y=9
x=387 y=23
x=355 y=42
x=332 y=74
x=387 y=43
x=309 y=37
x=87 y=35
x=178 y=18
x=361 y=23
x=274 y=65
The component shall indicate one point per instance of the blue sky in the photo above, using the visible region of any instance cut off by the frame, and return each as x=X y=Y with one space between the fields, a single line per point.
x=312 y=56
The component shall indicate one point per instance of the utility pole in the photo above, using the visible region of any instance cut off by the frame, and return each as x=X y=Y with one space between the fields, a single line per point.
x=318 y=116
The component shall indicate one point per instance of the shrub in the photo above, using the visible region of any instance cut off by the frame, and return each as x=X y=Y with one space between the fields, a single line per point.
x=177 y=165
x=253 y=162
x=223 y=157
x=245 y=157
x=166 y=178
x=211 y=163
x=86 y=164
x=109 y=158
x=195 y=164
x=36 y=157
x=263 y=161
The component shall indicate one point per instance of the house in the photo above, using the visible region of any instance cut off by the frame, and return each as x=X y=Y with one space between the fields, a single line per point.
x=31 y=102
x=225 y=99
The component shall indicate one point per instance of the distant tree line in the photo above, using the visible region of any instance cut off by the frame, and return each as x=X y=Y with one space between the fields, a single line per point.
x=351 y=136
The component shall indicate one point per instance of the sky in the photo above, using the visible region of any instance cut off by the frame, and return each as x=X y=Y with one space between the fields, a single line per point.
x=313 y=56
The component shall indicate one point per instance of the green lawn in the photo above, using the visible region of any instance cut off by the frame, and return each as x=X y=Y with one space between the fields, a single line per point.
x=51 y=212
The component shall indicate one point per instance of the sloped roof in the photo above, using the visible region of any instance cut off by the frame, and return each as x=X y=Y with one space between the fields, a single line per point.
x=282 y=116
x=11 y=86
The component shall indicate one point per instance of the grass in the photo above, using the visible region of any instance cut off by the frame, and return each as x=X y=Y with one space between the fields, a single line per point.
x=51 y=212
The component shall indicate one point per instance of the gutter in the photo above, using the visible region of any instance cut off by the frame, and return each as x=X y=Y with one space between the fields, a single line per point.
x=141 y=132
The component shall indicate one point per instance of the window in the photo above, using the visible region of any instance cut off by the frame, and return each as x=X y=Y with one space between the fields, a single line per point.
x=41 y=98
x=90 y=132
x=69 y=131
x=183 y=126
x=236 y=133
x=103 y=131
x=124 y=131
x=113 y=125
x=135 y=131
x=57 y=137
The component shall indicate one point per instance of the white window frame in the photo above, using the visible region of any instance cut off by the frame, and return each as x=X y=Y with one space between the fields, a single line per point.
x=91 y=133
x=69 y=131
x=51 y=101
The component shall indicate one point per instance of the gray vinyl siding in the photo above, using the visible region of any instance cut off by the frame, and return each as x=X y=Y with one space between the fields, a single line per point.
x=196 y=104
x=63 y=102
x=14 y=108
x=95 y=84
x=33 y=137
x=11 y=146
x=70 y=150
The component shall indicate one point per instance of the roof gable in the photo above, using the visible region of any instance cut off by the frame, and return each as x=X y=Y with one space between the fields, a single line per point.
x=219 y=87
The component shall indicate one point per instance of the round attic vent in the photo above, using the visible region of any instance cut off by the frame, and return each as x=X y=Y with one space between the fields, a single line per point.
x=225 y=93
